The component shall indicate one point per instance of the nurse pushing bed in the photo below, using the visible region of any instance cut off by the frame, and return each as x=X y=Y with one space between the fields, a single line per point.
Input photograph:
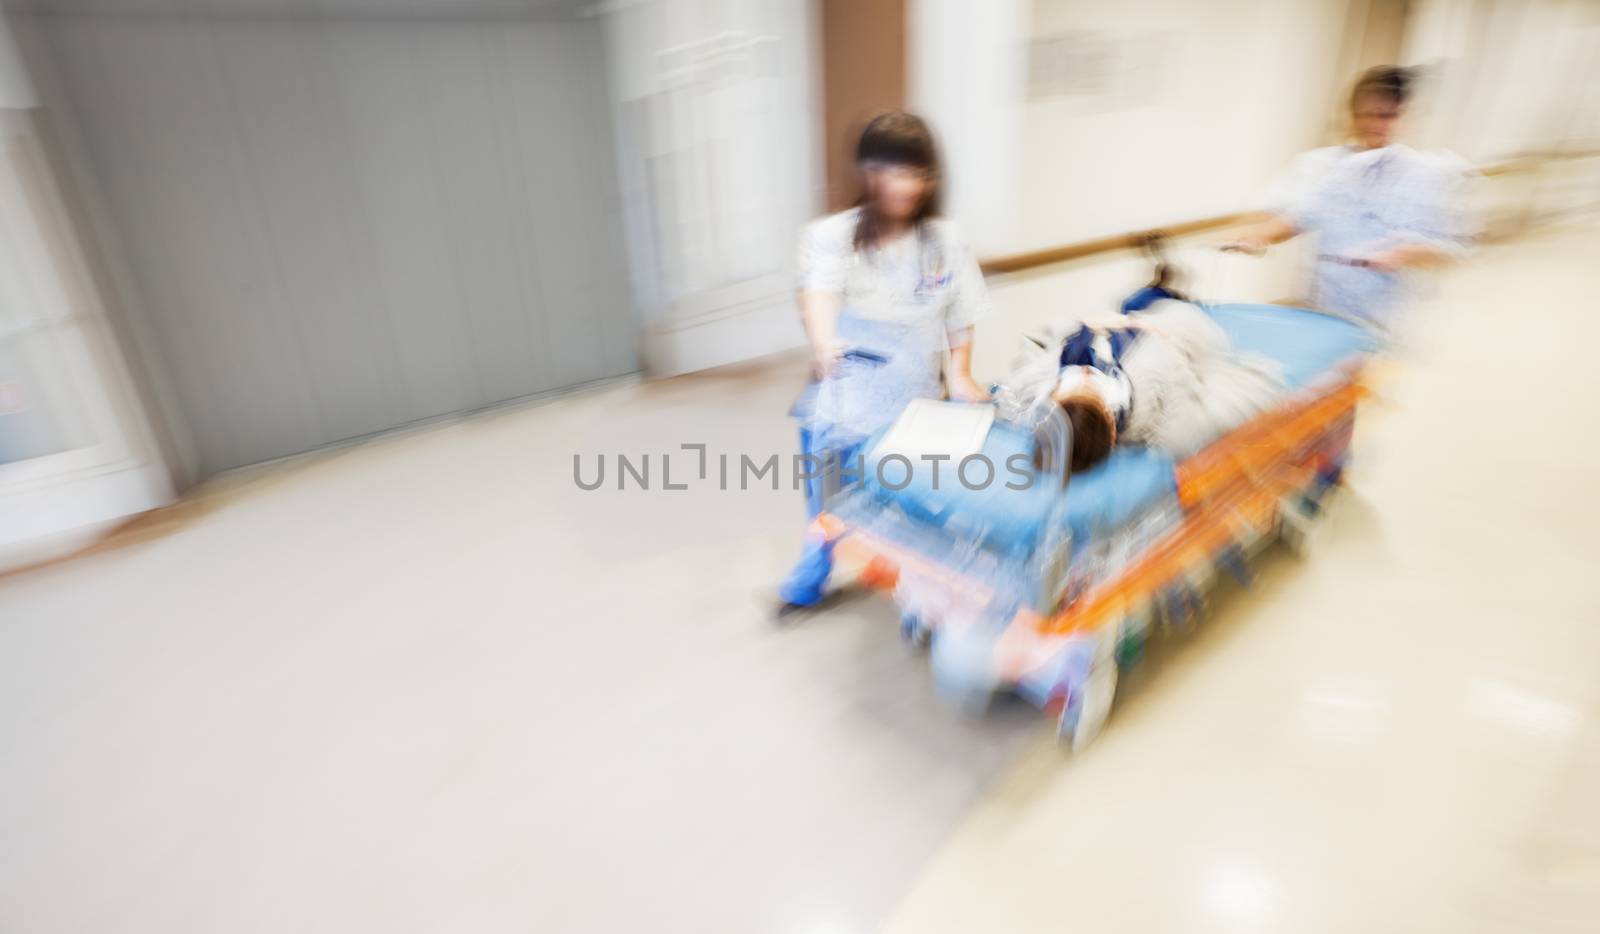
x=1380 y=210
x=886 y=289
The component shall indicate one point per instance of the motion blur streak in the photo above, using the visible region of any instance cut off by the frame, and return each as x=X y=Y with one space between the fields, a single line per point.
x=409 y=414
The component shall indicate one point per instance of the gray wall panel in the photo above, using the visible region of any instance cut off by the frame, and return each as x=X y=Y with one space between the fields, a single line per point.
x=470 y=180
x=400 y=205
x=340 y=226
x=572 y=197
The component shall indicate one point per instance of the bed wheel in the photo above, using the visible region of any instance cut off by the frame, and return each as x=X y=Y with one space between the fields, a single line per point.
x=1181 y=607
x=1295 y=535
x=1085 y=714
x=1302 y=520
x=1298 y=527
x=1131 y=642
x=913 y=630
x=1088 y=707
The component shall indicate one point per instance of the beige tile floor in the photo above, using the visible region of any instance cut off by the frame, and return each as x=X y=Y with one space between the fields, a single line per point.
x=427 y=684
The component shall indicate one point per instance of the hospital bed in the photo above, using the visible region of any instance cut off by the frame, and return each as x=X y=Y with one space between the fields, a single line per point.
x=1046 y=591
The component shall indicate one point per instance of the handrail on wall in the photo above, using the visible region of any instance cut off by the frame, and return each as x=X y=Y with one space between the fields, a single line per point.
x=1017 y=262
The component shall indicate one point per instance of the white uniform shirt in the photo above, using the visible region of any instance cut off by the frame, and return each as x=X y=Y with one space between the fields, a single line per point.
x=1359 y=203
x=905 y=301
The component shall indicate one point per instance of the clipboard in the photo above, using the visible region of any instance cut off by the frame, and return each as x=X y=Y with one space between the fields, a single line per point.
x=933 y=427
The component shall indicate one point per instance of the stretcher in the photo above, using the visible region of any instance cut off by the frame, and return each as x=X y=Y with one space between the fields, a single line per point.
x=1048 y=590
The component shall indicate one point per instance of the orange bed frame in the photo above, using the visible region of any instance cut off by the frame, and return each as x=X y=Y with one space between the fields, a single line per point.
x=1232 y=493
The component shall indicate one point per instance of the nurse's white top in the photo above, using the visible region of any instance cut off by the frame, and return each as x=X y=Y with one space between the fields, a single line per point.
x=906 y=300
x=1362 y=202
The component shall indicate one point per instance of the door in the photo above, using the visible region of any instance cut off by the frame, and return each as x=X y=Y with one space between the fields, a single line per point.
x=719 y=158
x=74 y=452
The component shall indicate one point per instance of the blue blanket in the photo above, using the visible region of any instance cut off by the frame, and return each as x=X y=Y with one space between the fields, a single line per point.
x=1131 y=480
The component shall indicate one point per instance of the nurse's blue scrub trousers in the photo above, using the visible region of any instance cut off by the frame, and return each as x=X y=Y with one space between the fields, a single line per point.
x=808 y=582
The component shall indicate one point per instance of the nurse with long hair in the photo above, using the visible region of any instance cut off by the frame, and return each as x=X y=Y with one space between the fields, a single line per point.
x=889 y=294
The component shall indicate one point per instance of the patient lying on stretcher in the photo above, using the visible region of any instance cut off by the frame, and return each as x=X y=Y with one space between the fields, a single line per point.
x=1166 y=377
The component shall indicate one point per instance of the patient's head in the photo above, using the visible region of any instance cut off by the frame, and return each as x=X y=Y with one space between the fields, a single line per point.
x=1094 y=431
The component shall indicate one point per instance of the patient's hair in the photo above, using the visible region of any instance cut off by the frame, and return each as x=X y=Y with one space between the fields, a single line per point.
x=1093 y=431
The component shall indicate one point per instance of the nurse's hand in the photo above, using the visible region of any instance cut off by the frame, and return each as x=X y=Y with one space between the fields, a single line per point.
x=1250 y=246
x=1407 y=256
x=1385 y=262
x=825 y=358
x=965 y=389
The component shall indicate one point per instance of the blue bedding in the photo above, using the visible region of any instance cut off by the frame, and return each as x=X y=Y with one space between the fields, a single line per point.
x=1111 y=494
x=1306 y=343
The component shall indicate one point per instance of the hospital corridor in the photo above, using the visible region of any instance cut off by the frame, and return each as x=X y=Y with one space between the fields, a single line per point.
x=436 y=494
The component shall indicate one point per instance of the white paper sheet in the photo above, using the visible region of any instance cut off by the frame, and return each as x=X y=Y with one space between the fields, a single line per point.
x=931 y=427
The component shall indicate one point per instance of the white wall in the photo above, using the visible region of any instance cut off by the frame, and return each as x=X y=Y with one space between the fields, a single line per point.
x=1124 y=116
x=337 y=226
x=1195 y=106
x=968 y=67
x=1511 y=76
